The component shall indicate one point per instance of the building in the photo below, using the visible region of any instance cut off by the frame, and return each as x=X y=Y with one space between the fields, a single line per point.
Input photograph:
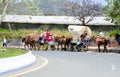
x=67 y=20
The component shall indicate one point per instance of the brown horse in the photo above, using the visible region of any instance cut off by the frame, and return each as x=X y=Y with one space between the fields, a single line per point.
x=29 y=41
x=104 y=42
x=63 y=41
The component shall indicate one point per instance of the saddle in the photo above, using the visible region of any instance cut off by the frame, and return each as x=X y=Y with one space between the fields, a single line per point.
x=101 y=40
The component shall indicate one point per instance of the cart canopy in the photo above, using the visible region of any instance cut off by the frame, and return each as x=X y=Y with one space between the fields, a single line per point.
x=76 y=31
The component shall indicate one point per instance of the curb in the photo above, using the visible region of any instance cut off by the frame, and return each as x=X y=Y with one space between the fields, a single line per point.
x=15 y=63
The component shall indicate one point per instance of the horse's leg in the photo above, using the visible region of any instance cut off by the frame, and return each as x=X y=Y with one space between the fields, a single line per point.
x=62 y=47
x=58 y=46
x=65 y=47
x=98 y=47
x=28 y=46
x=31 y=46
x=105 y=48
x=25 y=46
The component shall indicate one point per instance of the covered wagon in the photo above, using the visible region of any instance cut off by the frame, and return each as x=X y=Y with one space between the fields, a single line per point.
x=76 y=32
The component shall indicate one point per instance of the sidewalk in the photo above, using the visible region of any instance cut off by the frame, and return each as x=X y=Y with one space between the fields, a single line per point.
x=17 y=62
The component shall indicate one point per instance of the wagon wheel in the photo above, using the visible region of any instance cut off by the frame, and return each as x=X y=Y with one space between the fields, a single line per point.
x=71 y=47
x=85 y=48
x=52 y=47
x=37 y=47
x=44 y=47
x=78 y=48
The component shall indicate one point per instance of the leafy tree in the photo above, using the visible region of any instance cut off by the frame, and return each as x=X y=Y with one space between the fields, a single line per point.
x=113 y=10
x=24 y=7
x=83 y=10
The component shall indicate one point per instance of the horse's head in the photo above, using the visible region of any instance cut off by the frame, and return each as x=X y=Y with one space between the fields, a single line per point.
x=56 y=38
x=23 y=39
x=68 y=40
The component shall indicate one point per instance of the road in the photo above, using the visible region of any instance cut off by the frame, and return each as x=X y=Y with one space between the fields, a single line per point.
x=73 y=64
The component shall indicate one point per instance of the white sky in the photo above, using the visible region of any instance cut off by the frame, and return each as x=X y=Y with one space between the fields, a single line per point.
x=103 y=2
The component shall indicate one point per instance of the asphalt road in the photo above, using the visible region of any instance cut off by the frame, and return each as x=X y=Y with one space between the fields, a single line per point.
x=73 y=64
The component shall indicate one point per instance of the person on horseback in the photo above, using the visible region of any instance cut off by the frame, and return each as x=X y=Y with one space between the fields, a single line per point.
x=81 y=40
x=47 y=33
x=48 y=36
x=101 y=37
x=45 y=37
x=41 y=38
x=101 y=34
x=86 y=39
x=101 y=40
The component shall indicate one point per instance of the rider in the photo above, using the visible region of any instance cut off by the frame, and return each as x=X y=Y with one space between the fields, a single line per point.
x=45 y=37
x=47 y=34
x=101 y=34
x=41 y=37
x=87 y=38
x=81 y=40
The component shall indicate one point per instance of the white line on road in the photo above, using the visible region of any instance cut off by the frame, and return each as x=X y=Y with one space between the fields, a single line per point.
x=45 y=63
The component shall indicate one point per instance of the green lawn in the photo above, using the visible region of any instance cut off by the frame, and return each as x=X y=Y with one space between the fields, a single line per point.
x=11 y=52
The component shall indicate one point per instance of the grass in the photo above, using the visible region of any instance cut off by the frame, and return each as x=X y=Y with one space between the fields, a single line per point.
x=16 y=34
x=11 y=52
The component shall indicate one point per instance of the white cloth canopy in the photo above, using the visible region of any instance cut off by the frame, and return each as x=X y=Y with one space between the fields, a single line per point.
x=76 y=31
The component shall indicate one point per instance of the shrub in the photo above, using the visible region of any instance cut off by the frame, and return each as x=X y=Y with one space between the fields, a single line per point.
x=3 y=30
x=113 y=32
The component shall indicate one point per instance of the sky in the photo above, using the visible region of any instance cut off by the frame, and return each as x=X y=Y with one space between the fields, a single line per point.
x=103 y=2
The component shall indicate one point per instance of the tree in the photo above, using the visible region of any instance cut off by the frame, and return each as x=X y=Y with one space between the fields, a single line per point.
x=5 y=6
x=113 y=10
x=24 y=7
x=27 y=7
x=83 y=10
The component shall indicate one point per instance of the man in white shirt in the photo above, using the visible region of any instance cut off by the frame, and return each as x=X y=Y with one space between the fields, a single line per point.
x=101 y=37
x=101 y=34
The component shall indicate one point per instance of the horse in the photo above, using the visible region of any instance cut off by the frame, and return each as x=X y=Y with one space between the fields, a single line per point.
x=61 y=40
x=117 y=38
x=29 y=41
x=104 y=42
x=68 y=42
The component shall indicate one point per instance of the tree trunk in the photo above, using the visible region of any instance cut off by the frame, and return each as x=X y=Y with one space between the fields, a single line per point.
x=83 y=22
x=4 y=11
